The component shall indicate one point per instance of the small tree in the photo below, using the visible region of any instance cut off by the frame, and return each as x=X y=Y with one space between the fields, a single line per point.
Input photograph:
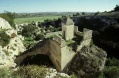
x=4 y=38
x=40 y=37
x=29 y=30
x=77 y=14
x=83 y=13
x=116 y=8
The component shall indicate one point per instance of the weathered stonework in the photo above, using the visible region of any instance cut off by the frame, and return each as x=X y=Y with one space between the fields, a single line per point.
x=58 y=51
x=68 y=29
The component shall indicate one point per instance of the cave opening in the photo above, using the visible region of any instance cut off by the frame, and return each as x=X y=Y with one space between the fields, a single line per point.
x=39 y=59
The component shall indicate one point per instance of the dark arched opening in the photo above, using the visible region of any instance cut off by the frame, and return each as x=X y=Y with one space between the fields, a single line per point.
x=39 y=59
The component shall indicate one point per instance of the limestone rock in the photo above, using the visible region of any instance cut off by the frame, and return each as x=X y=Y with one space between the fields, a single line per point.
x=52 y=73
x=4 y=24
x=15 y=46
x=88 y=62
x=2 y=56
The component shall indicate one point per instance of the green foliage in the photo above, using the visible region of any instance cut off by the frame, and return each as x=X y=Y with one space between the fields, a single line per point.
x=111 y=69
x=69 y=42
x=4 y=38
x=40 y=37
x=52 y=29
x=29 y=30
x=91 y=43
x=4 y=73
x=50 y=37
x=24 y=72
x=48 y=20
x=31 y=71
x=8 y=16
x=28 y=42
x=73 y=76
x=116 y=8
x=112 y=62
x=83 y=13
x=111 y=72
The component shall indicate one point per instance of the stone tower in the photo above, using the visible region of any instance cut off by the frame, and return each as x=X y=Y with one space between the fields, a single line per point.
x=67 y=29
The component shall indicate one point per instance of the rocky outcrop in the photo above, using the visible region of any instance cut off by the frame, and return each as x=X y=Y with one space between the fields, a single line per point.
x=88 y=62
x=105 y=32
x=14 y=47
x=96 y=23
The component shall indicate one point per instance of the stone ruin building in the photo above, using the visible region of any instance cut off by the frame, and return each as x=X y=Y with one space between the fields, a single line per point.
x=62 y=48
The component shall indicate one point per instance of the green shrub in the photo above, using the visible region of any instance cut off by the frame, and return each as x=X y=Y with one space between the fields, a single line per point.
x=112 y=62
x=28 y=42
x=29 y=30
x=111 y=69
x=31 y=71
x=4 y=38
x=73 y=76
x=40 y=37
x=5 y=73
x=111 y=72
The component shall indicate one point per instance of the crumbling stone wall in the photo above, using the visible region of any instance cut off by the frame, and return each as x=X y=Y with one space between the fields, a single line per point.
x=68 y=29
x=87 y=38
x=56 y=48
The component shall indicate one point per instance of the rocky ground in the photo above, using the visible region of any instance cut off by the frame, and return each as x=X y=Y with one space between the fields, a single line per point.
x=13 y=48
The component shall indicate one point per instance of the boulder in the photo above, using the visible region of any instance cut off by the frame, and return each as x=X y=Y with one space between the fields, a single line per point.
x=88 y=63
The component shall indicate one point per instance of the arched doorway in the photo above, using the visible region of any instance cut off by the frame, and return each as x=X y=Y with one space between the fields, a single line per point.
x=39 y=59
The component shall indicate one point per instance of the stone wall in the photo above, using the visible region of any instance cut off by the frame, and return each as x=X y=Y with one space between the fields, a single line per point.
x=56 y=48
x=55 y=54
x=87 y=38
x=75 y=29
x=67 y=29
x=66 y=56
x=68 y=32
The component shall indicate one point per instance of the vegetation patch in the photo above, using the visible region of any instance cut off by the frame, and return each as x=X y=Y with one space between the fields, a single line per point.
x=28 y=42
x=31 y=71
x=29 y=30
x=36 y=19
x=4 y=38
x=69 y=42
x=50 y=37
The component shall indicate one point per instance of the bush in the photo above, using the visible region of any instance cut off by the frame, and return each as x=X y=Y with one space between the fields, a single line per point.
x=31 y=71
x=4 y=73
x=112 y=62
x=4 y=38
x=111 y=69
x=40 y=37
x=73 y=76
x=111 y=72
x=28 y=42
x=29 y=31
x=116 y=8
